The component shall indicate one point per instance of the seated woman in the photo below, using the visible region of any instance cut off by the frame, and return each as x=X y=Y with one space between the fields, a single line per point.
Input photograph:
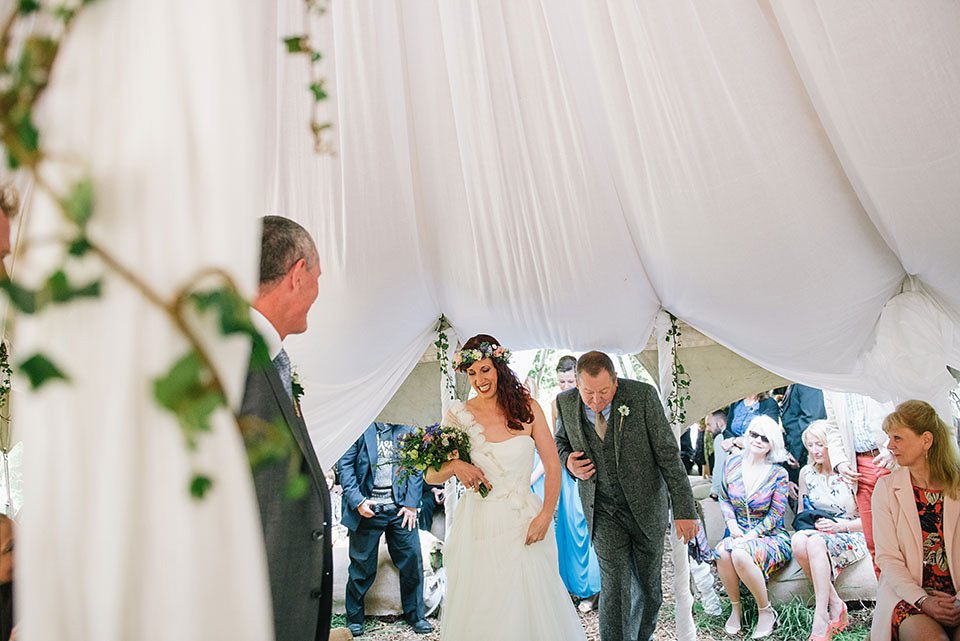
x=834 y=544
x=915 y=527
x=753 y=498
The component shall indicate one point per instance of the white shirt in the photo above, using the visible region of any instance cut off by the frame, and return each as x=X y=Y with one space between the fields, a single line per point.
x=270 y=334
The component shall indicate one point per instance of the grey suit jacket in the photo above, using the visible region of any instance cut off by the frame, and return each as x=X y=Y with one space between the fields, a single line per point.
x=296 y=532
x=648 y=459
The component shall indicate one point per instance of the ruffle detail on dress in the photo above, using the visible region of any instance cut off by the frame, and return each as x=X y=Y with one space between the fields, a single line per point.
x=468 y=423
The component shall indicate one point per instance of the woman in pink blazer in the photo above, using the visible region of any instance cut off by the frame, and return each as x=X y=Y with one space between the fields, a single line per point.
x=915 y=525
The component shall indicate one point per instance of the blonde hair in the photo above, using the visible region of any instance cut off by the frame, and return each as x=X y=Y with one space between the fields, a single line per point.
x=942 y=457
x=769 y=428
x=816 y=430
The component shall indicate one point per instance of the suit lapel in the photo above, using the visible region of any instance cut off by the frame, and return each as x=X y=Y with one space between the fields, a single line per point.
x=615 y=422
x=571 y=408
x=370 y=441
x=297 y=427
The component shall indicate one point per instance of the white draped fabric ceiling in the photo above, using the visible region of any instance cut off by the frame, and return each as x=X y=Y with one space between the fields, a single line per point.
x=782 y=175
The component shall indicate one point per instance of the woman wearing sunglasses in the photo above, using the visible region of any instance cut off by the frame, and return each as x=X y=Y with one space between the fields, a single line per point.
x=753 y=498
x=836 y=542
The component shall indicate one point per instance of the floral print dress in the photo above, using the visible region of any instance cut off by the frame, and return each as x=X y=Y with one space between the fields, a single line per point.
x=831 y=494
x=761 y=512
x=936 y=573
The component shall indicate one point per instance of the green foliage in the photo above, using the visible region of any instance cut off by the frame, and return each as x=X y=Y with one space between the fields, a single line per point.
x=443 y=344
x=676 y=401
x=200 y=484
x=318 y=91
x=190 y=391
x=26 y=7
x=233 y=313
x=57 y=289
x=296 y=487
x=296 y=44
x=78 y=205
x=41 y=370
x=272 y=444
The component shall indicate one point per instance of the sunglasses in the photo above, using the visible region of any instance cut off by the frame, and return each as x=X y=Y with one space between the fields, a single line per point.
x=753 y=434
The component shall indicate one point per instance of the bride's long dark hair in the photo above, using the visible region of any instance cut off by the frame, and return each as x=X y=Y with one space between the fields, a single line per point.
x=512 y=397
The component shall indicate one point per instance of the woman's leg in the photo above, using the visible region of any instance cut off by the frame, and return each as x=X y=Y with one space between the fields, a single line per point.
x=798 y=543
x=731 y=583
x=752 y=577
x=820 y=575
x=920 y=627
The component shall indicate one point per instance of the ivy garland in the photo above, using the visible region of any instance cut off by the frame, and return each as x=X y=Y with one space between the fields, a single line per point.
x=680 y=394
x=192 y=389
x=443 y=346
x=302 y=44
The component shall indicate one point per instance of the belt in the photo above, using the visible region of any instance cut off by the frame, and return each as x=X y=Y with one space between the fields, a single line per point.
x=874 y=452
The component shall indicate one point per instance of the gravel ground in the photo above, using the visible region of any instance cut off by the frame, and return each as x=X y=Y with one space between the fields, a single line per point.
x=709 y=628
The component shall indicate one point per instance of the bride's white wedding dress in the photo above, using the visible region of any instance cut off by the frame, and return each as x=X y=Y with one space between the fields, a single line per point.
x=497 y=586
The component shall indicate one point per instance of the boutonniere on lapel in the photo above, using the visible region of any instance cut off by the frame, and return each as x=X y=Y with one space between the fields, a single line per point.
x=296 y=388
x=624 y=412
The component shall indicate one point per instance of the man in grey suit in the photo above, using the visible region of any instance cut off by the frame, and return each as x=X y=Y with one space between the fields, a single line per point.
x=296 y=531
x=612 y=435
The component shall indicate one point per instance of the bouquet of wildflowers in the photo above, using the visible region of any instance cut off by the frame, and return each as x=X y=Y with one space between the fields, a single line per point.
x=432 y=446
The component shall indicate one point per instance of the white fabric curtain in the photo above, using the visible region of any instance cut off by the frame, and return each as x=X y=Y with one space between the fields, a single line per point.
x=159 y=98
x=779 y=175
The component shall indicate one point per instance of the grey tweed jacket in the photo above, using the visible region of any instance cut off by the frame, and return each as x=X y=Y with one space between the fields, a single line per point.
x=296 y=532
x=648 y=458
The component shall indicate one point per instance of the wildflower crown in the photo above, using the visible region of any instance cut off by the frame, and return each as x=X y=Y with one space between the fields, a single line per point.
x=467 y=357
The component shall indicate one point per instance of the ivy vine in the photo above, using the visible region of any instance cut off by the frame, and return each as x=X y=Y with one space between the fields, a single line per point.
x=303 y=44
x=680 y=394
x=443 y=346
x=191 y=389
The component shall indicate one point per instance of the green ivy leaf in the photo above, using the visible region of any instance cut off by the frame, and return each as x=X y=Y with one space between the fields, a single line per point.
x=79 y=204
x=25 y=300
x=188 y=391
x=296 y=487
x=316 y=88
x=79 y=246
x=27 y=7
x=27 y=133
x=315 y=56
x=295 y=44
x=40 y=370
x=200 y=484
x=179 y=381
x=234 y=315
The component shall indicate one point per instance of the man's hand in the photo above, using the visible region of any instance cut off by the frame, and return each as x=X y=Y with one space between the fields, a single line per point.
x=366 y=509
x=792 y=461
x=580 y=466
x=884 y=459
x=409 y=516
x=844 y=470
x=686 y=529
x=438 y=494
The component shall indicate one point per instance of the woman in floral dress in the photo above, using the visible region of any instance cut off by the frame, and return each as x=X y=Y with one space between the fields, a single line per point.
x=916 y=522
x=753 y=498
x=835 y=543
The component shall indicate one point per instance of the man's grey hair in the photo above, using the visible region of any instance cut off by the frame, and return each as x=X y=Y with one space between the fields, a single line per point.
x=282 y=243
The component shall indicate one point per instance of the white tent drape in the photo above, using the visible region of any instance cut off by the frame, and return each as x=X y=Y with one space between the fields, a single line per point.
x=158 y=99
x=556 y=173
x=780 y=175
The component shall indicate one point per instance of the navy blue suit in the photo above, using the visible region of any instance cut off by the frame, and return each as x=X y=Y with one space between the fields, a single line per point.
x=357 y=470
x=801 y=406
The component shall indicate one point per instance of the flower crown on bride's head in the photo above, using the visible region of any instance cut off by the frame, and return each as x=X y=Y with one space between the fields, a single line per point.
x=467 y=357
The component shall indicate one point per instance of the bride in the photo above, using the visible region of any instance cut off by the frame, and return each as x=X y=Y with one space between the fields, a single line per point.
x=501 y=554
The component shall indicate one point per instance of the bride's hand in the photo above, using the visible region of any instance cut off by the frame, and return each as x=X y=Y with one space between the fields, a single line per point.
x=471 y=475
x=538 y=528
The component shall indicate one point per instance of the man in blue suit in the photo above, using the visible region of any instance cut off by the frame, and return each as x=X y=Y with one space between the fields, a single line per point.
x=375 y=502
x=801 y=405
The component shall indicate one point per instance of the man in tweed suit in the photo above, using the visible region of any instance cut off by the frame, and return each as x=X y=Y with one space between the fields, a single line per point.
x=613 y=436
x=296 y=531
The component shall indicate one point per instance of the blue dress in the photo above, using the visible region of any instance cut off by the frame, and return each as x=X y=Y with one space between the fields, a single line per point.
x=577 y=561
